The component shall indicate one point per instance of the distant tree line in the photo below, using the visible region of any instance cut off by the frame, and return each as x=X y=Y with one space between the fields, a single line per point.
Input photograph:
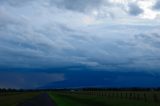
x=17 y=90
x=121 y=89
x=80 y=89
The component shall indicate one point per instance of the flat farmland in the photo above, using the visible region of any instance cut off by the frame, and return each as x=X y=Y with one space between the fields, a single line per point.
x=106 y=98
x=80 y=98
x=14 y=98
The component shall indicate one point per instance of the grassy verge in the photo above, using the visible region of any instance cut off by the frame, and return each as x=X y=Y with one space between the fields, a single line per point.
x=64 y=100
x=14 y=100
x=83 y=100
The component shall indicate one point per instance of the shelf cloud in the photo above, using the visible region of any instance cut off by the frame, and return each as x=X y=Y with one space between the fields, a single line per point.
x=101 y=35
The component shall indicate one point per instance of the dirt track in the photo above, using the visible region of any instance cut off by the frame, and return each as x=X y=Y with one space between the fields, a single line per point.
x=40 y=100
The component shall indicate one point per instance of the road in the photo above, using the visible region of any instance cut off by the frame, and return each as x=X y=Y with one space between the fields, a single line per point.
x=40 y=100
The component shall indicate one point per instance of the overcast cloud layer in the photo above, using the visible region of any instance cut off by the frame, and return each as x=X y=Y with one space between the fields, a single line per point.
x=98 y=34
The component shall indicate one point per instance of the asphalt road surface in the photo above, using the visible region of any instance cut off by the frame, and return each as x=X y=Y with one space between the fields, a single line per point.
x=40 y=100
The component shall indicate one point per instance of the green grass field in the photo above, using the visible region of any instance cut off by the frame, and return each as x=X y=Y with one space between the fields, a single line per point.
x=84 y=100
x=14 y=100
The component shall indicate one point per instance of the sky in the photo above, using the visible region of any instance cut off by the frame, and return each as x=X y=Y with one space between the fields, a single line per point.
x=79 y=43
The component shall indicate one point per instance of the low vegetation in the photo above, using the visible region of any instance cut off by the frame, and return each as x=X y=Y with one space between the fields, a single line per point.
x=14 y=98
x=86 y=97
x=106 y=98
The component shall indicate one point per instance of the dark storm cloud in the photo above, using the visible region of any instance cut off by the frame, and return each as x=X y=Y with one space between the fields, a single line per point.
x=39 y=39
x=107 y=79
x=67 y=34
x=151 y=39
x=26 y=51
x=15 y=2
x=79 y=5
x=74 y=5
x=134 y=9
x=83 y=6
x=28 y=80
x=146 y=46
x=59 y=45
x=157 y=5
